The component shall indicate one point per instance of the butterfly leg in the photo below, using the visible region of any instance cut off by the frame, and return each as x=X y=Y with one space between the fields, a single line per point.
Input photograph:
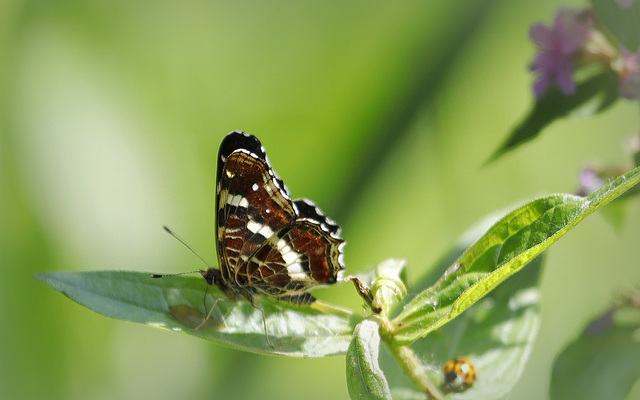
x=215 y=303
x=264 y=323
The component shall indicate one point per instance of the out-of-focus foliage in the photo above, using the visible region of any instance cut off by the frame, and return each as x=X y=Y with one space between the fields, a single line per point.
x=381 y=113
x=602 y=362
x=595 y=94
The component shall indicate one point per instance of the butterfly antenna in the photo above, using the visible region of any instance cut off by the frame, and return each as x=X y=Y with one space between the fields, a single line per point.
x=170 y=232
x=179 y=273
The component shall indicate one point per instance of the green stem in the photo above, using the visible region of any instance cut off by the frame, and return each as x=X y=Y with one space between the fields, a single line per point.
x=415 y=370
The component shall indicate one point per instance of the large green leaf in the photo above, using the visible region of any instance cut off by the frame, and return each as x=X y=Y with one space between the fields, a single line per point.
x=599 y=365
x=365 y=379
x=508 y=246
x=176 y=303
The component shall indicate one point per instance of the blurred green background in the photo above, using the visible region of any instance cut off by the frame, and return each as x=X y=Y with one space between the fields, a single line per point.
x=382 y=113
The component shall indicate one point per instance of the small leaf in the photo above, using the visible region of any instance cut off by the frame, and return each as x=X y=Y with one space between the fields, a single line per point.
x=365 y=379
x=176 y=303
x=506 y=248
x=593 y=95
x=601 y=365
x=622 y=23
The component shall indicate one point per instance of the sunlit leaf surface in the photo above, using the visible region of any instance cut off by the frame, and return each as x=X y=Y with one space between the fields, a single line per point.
x=176 y=303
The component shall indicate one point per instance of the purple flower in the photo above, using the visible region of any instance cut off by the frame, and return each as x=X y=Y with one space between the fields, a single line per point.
x=590 y=181
x=629 y=86
x=558 y=47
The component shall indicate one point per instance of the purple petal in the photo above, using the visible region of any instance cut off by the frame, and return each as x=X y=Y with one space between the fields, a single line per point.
x=565 y=80
x=541 y=85
x=538 y=63
x=539 y=34
x=558 y=46
x=571 y=29
x=565 y=18
x=629 y=87
x=589 y=180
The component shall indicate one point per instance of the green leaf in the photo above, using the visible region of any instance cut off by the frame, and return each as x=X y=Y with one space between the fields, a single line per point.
x=621 y=23
x=176 y=303
x=365 y=379
x=598 y=365
x=496 y=334
x=593 y=95
x=506 y=248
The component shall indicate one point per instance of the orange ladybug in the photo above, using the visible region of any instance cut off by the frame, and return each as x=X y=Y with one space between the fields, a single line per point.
x=459 y=374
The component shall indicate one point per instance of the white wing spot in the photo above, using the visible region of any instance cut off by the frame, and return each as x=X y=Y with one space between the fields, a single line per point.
x=292 y=260
x=254 y=187
x=255 y=227
x=237 y=200
x=296 y=273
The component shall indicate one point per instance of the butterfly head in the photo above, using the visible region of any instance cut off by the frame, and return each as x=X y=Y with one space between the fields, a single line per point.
x=211 y=276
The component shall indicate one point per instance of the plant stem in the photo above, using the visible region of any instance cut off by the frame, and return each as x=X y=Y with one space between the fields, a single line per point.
x=415 y=370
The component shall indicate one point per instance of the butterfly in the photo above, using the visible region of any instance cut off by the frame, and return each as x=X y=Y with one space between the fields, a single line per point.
x=268 y=244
